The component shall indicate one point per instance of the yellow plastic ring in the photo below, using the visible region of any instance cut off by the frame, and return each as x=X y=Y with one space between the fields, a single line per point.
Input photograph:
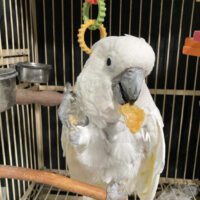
x=81 y=35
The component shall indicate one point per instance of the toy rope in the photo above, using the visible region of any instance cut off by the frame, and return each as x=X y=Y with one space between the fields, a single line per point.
x=101 y=13
x=52 y=179
x=81 y=35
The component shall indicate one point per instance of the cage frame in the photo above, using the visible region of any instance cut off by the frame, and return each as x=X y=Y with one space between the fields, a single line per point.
x=12 y=56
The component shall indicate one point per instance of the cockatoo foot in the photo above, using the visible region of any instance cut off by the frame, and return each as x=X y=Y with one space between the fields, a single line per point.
x=69 y=111
x=79 y=136
x=116 y=191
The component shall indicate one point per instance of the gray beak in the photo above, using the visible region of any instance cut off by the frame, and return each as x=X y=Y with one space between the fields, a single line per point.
x=128 y=86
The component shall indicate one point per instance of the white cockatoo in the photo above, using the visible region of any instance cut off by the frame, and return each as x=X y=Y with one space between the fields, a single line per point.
x=99 y=146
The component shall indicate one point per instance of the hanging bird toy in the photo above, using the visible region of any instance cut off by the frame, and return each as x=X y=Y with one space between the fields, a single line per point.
x=92 y=24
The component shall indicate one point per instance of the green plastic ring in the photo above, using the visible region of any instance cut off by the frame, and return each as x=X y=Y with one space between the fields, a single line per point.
x=101 y=13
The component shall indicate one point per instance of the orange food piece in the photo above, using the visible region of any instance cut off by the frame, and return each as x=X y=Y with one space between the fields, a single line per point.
x=134 y=116
x=73 y=120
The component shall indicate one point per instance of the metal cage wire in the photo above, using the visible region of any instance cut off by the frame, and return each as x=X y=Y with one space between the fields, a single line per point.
x=45 y=31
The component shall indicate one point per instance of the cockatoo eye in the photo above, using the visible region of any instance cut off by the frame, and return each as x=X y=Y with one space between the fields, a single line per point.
x=109 y=62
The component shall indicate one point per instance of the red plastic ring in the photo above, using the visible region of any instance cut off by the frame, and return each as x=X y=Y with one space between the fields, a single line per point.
x=92 y=1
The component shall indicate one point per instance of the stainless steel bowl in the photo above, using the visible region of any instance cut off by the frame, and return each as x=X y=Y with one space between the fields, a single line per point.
x=7 y=88
x=33 y=72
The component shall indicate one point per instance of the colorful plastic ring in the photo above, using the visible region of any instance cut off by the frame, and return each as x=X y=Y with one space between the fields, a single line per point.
x=81 y=34
x=92 y=1
x=101 y=13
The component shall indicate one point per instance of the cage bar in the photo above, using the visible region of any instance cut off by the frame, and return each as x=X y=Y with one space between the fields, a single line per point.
x=183 y=103
x=158 y=48
x=175 y=83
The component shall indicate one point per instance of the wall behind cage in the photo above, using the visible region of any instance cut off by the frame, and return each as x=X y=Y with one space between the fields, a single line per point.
x=174 y=82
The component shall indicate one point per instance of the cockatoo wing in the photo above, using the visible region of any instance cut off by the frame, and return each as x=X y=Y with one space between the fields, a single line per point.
x=149 y=173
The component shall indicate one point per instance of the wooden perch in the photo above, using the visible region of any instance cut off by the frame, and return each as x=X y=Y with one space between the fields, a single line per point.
x=52 y=179
x=45 y=98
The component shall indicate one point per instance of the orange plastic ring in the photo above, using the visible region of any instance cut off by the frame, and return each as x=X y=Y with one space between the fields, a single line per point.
x=81 y=35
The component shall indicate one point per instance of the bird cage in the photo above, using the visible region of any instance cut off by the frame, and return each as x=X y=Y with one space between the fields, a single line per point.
x=45 y=31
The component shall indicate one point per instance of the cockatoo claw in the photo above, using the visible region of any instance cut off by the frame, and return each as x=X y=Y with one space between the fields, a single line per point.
x=74 y=138
x=116 y=191
x=69 y=111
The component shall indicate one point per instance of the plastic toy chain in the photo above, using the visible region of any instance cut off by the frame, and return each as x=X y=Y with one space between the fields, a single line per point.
x=81 y=35
x=92 y=24
x=101 y=13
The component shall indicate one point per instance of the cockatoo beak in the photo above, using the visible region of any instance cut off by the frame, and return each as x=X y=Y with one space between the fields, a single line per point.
x=129 y=85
